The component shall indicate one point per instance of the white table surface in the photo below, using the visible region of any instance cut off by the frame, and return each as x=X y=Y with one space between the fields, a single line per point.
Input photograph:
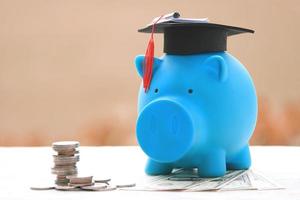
x=24 y=167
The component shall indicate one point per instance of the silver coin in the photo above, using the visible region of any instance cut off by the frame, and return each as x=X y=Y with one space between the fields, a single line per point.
x=110 y=188
x=80 y=179
x=42 y=188
x=65 y=163
x=97 y=187
x=67 y=153
x=62 y=163
x=61 y=177
x=61 y=184
x=64 y=172
x=65 y=158
x=65 y=145
x=64 y=167
x=66 y=188
x=102 y=180
x=125 y=185
x=107 y=188
x=62 y=151
x=61 y=181
x=81 y=184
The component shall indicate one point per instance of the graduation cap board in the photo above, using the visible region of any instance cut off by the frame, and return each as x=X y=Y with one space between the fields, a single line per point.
x=184 y=36
x=192 y=36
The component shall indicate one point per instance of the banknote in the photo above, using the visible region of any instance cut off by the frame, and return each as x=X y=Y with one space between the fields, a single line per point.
x=164 y=182
x=188 y=180
x=214 y=184
x=261 y=182
x=241 y=183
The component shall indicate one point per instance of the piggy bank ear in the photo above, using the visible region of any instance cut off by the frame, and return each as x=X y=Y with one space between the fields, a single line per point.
x=217 y=67
x=139 y=60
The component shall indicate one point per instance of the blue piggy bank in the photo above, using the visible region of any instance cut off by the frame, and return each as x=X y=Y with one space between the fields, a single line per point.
x=199 y=112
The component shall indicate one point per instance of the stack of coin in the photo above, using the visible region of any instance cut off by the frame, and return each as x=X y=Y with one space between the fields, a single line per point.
x=67 y=179
x=65 y=159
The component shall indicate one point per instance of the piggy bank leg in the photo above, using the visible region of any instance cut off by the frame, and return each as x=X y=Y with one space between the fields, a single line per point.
x=241 y=160
x=213 y=164
x=155 y=168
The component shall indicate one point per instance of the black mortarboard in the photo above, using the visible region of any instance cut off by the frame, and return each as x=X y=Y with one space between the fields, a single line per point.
x=192 y=36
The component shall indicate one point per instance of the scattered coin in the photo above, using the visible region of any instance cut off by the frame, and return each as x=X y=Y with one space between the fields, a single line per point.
x=97 y=187
x=66 y=188
x=102 y=180
x=125 y=185
x=122 y=183
x=80 y=180
x=110 y=188
x=81 y=184
x=42 y=188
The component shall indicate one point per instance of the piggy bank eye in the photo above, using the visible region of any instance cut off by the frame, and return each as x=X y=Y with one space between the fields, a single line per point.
x=190 y=91
x=156 y=90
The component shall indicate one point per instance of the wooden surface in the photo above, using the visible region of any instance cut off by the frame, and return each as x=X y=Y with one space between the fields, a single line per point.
x=25 y=167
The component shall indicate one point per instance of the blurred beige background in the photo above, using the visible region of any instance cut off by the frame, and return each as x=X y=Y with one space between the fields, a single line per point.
x=66 y=67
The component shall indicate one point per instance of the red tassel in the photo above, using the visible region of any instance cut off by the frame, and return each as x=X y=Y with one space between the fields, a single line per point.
x=149 y=59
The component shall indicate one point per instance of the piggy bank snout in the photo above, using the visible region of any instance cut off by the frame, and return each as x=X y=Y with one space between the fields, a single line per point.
x=165 y=130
